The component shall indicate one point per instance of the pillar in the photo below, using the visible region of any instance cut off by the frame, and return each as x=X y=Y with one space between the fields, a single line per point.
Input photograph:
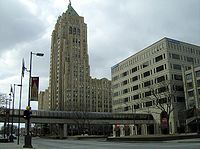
x=114 y=132
x=122 y=131
x=144 y=129
x=63 y=130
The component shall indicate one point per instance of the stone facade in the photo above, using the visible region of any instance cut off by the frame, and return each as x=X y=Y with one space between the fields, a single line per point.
x=133 y=77
x=43 y=100
x=71 y=87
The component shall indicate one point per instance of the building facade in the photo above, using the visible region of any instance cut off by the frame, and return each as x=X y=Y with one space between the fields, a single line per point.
x=43 y=100
x=134 y=78
x=192 y=87
x=71 y=87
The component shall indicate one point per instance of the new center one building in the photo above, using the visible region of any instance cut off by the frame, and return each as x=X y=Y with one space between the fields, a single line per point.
x=133 y=77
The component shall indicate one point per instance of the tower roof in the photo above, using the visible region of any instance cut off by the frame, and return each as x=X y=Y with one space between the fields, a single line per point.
x=70 y=11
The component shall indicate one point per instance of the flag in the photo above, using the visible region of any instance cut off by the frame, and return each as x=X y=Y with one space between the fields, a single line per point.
x=34 y=88
x=23 y=67
x=11 y=89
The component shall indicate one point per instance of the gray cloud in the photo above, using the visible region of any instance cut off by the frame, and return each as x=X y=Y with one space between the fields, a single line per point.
x=116 y=30
x=18 y=25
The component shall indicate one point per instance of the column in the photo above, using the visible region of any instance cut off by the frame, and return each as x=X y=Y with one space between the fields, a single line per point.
x=122 y=131
x=131 y=130
x=144 y=129
x=65 y=130
x=114 y=131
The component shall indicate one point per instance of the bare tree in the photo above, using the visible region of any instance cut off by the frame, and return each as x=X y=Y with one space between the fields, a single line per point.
x=163 y=95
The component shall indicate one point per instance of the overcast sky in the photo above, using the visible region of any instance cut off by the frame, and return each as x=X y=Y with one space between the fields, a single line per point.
x=116 y=30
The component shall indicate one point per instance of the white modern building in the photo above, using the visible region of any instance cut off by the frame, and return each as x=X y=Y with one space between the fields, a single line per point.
x=134 y=79
x=192 y=87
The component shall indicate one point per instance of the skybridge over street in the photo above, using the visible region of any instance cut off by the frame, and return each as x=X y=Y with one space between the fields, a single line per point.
x=62 y=118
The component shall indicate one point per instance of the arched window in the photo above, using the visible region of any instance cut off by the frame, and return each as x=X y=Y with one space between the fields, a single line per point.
x=70 y=30
x=74 y=30
x=78 y=31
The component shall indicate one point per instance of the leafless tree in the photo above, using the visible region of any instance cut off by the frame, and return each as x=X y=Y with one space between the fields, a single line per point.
x=163 y=95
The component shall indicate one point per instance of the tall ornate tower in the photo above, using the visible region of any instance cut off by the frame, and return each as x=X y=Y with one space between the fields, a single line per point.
x=70 y=86
x=69 y=66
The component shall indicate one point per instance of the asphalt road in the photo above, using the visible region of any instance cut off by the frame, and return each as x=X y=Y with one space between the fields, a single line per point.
x=39 y=143
x=101 y=144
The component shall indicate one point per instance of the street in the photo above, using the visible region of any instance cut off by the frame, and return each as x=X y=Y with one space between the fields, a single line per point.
x=40 y=143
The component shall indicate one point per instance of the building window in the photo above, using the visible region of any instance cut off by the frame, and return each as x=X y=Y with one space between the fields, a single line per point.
x=160 y=79
x=136 y=106
x=158 y=58
x=162 y=100
x=78 y=31
x=136 y=97
x=125 y=74
x=190 y=85
x=178 y=77
x=190 y=59
x=162 y=89
x=125 y=91
x=134 y=69
x=176 y=56
x=70 y=30
x=126 y=99
x=147 y=93
x=160 y=68
x=147 y=83
x=189 y=76
x=125 y=108
x=180 y=99
x=145 y=64
x=179 y=88
x=115 y=78
x=147 y=74
x=135 y=87
x=115 y=94
x=148 y=104
x=134 y=78
x=197 y=73
x=190 y=93
x=74 y=30
x=198 y=83
x=176 y=66
x=125 y=82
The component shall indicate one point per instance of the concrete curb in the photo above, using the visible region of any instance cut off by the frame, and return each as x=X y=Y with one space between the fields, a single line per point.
x=153 y=138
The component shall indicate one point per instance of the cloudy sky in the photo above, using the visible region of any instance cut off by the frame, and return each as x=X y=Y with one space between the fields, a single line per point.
x=116 y=30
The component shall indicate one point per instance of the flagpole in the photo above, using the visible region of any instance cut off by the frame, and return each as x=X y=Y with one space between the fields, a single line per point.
x=20 y=98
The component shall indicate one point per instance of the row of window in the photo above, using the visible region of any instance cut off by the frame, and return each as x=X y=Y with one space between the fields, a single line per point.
x=189 y=76
x=147 y=104
x=146 y=64
x=74 y=30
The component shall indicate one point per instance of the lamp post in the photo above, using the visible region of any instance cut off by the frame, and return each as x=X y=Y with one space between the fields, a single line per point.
x=20 y=99
x=27 y=141
x=13 y=105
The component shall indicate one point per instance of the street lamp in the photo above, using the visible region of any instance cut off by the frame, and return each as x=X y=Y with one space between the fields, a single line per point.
x=27 y=141
x=13 y=103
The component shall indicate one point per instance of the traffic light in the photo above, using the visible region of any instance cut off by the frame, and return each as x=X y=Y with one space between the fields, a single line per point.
x=27 y=114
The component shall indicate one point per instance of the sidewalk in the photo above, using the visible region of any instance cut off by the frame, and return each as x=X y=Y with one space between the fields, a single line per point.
x=15 y=146
x=145 y=138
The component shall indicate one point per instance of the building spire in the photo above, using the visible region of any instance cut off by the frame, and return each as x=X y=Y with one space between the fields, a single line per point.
x=70 y=2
